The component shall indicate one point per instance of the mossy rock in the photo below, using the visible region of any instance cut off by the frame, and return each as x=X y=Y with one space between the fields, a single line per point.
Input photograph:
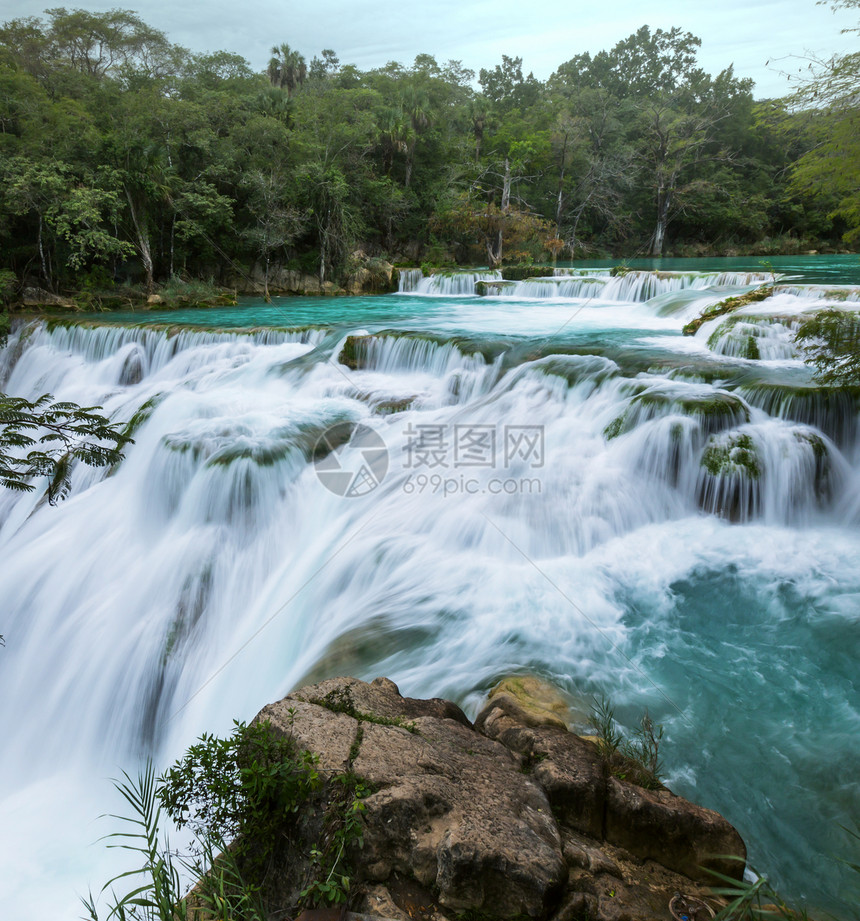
x=521 y=272
x=715 y=410
x=532 y=700
x=729 y=304
x=823 y=475
x=732 y=470
x=491 y=288
x=575 y=368
x=389 y=407
x=832 y=410
x=735 y=455
x=350 y=355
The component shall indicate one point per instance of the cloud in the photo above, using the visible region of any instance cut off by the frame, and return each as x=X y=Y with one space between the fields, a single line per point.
x=369 y=33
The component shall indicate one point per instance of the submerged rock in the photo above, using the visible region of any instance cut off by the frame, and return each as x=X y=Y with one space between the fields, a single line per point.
x=514 y=816
x=713 y=410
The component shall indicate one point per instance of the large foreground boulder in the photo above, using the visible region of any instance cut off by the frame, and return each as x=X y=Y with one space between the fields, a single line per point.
x=514 y=816
x=450 y=807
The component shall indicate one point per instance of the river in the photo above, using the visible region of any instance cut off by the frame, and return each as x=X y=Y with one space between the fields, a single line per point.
x=549 y=478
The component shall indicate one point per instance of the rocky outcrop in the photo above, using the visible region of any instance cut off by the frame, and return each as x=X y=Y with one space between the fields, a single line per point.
x=38 y=297
x=512 y=816
x=369 y=275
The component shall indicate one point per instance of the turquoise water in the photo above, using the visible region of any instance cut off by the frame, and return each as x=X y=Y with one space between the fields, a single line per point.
x=213 y=572
x=841 y=269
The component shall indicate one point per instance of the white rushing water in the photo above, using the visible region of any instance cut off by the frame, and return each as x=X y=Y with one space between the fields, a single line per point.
x=667 y=521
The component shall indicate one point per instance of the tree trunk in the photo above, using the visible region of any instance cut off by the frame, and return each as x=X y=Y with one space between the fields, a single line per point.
x=42 y=255
x=410 y=156
x=323 y=241
x=495 y=239
x=142 y=242
x=172 y=238
x=665 y=193
x=559 y=207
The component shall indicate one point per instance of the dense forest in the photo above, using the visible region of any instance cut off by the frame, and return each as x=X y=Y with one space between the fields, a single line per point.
x=127 y=159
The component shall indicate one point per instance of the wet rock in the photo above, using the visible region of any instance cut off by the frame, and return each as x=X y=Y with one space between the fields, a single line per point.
x=678 y=834
x=529 y=701
x=512 y=816
x=450 y=806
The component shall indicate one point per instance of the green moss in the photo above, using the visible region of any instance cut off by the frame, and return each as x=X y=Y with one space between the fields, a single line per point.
x=749 y=347
x=349 y=354
x=752 y=351
x=762 y=293
x=816 y=442
x=714 y=411
x=340 y=701
x=521 y=272
x=735 y=455
x=492 y=288
x=614 y=429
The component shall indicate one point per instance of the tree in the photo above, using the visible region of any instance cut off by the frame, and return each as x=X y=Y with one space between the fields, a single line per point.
x=277 y=224
x=43 y=438
x=831 y=342
x=287 y=68
x=829 y=94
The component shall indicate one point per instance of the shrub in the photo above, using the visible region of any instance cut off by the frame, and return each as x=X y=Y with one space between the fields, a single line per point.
x=243 y=788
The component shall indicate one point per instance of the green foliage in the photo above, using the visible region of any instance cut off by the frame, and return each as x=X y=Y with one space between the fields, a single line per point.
x=343 y=830
x=830 y=340
x=637 y=758
x=8 y=284
x=602 y=721
x=45 y=439
x=238 y=796
x=120 y=149
x=158 y=880
x=829 y=171
x=751 y=901
x=243 y=788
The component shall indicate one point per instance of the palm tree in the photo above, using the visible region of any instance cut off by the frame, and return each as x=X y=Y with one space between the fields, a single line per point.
x=287 y=68
x=416 y=105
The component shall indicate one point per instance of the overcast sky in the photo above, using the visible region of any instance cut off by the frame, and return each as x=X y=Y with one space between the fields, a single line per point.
x=369 y=33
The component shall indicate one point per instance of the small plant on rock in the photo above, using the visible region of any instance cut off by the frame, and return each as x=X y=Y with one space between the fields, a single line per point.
x=636 y=759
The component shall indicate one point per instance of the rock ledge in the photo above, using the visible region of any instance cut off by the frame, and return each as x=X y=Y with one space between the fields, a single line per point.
x=514 y=816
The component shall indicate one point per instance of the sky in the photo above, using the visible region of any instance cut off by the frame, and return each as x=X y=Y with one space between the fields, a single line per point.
x=763 y=40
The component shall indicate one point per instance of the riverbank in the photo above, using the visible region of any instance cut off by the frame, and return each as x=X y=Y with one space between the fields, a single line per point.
x=374 y=276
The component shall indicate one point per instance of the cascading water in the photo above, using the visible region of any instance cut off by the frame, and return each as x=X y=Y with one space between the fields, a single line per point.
x=578 y=492
x=443 y=284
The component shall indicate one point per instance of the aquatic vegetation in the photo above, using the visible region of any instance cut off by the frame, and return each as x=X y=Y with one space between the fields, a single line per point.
x=762 y=293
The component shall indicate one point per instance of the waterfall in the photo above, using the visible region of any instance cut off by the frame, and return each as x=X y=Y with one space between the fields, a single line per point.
x=631 y=287
x=408 y=280
x=443 y=284
x=587 y=495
